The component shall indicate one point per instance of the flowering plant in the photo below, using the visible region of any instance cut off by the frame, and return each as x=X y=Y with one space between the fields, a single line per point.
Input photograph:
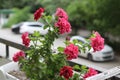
x=41 y=63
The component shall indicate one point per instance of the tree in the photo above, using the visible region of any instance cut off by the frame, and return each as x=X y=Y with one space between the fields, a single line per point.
x=20 y=4
x=82 y=13
x=51 y=5
x=108 y=16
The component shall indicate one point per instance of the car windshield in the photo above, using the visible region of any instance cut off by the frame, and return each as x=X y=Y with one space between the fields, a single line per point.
x=20 y=24
x=81 y=41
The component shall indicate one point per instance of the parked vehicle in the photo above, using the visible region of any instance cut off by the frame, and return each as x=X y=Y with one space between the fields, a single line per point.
x=105 y=54
x=29 y=27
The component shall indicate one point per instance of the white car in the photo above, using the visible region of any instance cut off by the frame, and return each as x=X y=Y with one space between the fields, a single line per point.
x=29 y=27
x=105 y=54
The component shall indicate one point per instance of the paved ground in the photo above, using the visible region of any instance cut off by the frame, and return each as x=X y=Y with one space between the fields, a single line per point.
x=4 y=61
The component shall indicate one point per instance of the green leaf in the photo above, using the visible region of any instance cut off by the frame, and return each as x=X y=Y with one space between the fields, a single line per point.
x=92 y=35
x=83 y=67
x=75 y=77
x=75 y=41
x=36 y=34
x=88 y=40
x=80 y=43
x=89 y=47
x=76 y=67
x=49 y=18
x=60 y=49
x=46 y=26
x=67 y=42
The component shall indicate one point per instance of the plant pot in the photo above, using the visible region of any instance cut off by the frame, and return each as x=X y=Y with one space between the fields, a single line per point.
x=6 y=69
x=12 y=66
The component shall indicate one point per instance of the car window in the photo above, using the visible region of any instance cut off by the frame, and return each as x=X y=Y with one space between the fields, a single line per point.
x=80 y=41
x=19 y=24
x=35 y=25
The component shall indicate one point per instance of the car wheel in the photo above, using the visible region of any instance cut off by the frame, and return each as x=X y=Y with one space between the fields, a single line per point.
x=16 y=31
x=90 y=57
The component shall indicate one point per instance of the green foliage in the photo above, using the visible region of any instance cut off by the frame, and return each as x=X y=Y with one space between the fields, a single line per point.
x=18 y=16
x=76 y=67
x=76 y=77
x=82 y=13
x=82 y=69
x=60 y=49
x=108 y=16
x=83 y=46
x=51 y=5
x=100 y=15
x=19 y=4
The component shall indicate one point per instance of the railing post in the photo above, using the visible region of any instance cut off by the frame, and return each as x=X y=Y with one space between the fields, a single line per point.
x=7 y=51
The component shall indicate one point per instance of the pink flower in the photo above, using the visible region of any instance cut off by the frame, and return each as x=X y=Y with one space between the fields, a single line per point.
x=63 y=25
x=90 y=73
x=71 y=51
x=38 y=13
x=67 y=72
x=97 y=42
x=17 y=56
x=25 y=39
x=61 y=13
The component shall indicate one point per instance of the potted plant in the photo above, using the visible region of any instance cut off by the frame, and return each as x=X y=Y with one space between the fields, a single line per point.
x=41 y=62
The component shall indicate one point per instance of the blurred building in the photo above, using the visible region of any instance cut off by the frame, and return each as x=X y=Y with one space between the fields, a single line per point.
x=4 y=15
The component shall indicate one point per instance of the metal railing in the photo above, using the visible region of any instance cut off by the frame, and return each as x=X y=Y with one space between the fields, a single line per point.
x=12 y=44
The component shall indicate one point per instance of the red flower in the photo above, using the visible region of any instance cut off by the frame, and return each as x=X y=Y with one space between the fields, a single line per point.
x=90 y=73
x=17 y=56
x=71 y=51
x=61 y=13
x=97 y=42
x=25 y=39
x=66 y=72
x=63 y=25
x=38 y=13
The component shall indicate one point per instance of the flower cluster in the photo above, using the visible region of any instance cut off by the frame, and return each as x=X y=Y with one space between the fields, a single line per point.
x=61 y=13
x=62 y=23
x=18 y=56
x=38 y=13
x=66 y=71
x=97 y=42
x=40 y=59
x=90 y=72
x=71 y=51
x=25 y=39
